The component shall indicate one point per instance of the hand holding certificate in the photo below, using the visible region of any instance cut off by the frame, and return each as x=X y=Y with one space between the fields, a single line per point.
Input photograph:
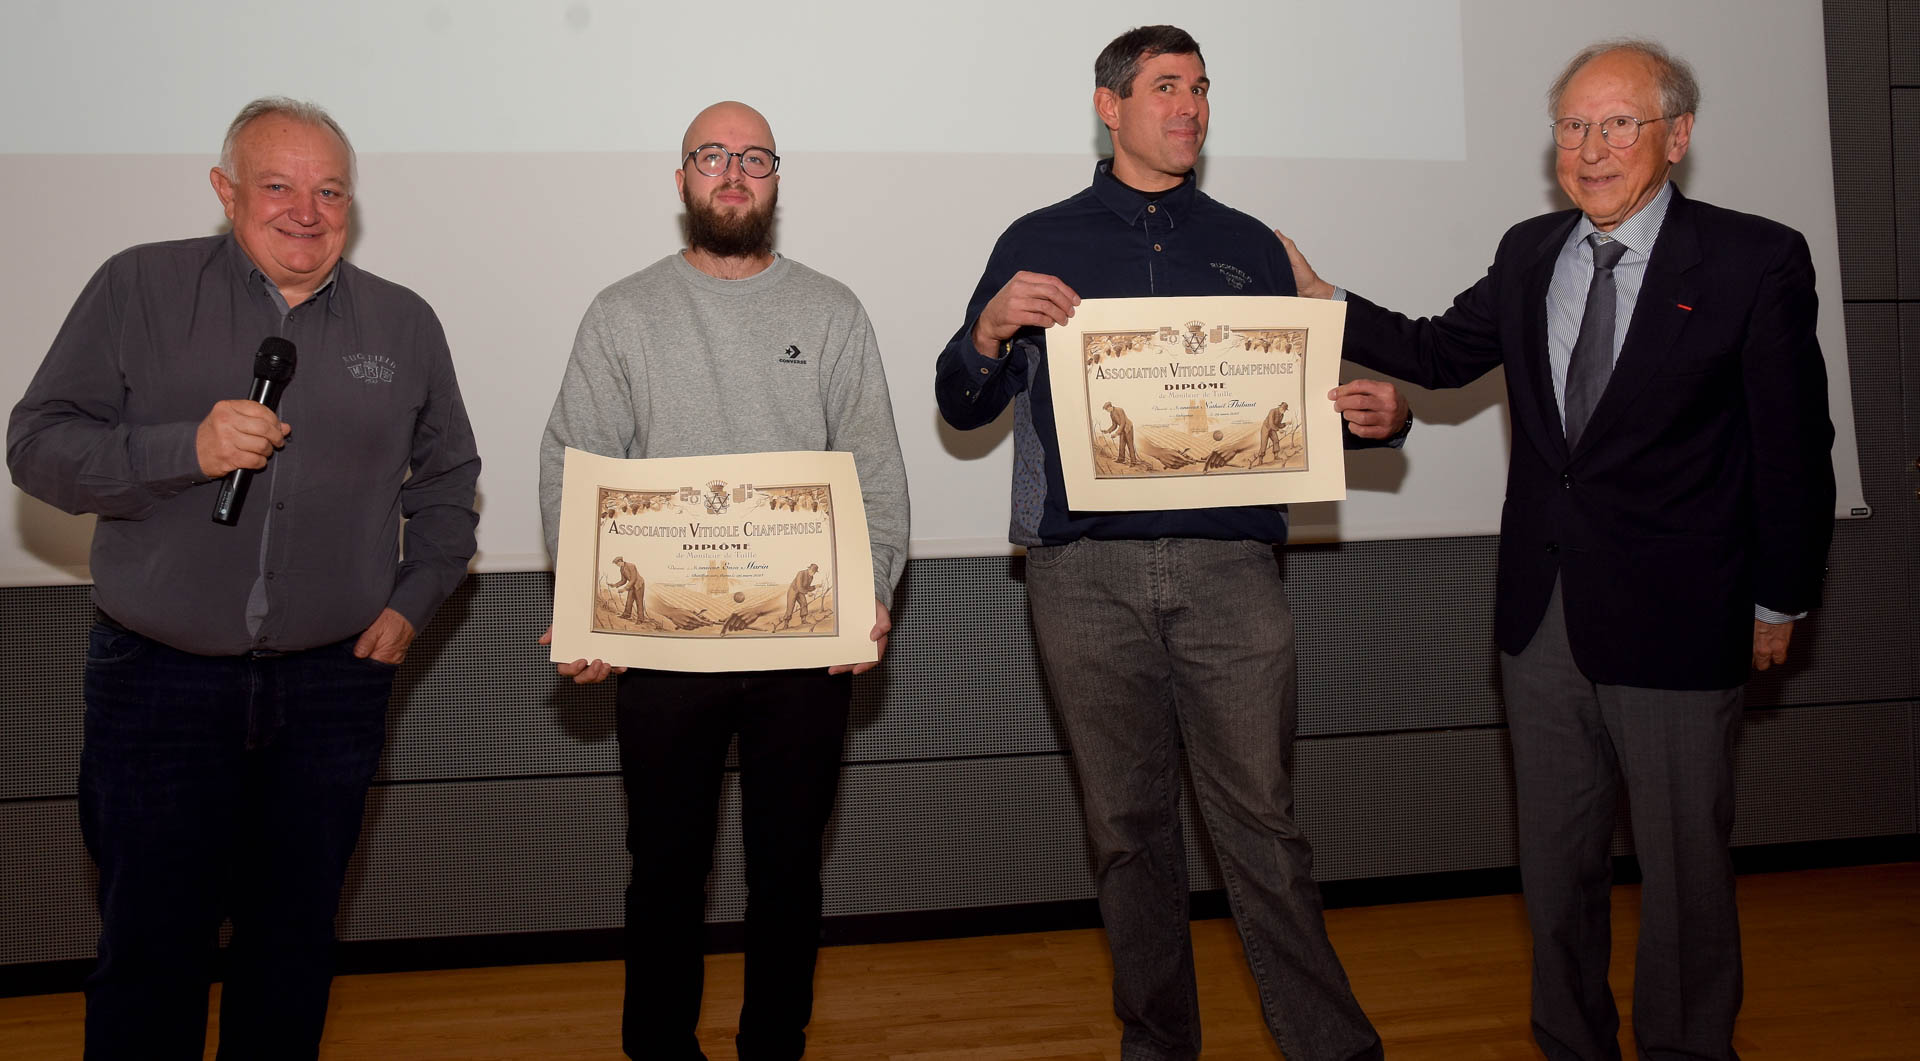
x=1169 y=403
x=750 y=561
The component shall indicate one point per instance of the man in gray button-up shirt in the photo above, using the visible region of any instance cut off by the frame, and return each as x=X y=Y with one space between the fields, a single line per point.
x=237 y=678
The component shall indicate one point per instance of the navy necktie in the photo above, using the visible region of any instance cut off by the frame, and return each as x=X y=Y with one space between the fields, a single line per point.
x=1592 y=359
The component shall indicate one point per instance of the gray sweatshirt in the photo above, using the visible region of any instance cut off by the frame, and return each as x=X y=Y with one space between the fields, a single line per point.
x=671 y=362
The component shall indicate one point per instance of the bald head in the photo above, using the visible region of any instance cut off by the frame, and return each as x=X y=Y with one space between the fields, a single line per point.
x=730 y=123
x=729 y=207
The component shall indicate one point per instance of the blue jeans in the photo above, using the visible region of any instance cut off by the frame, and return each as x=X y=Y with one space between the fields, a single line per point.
x=674 y=730
x=215 y=787
x=1148 y=645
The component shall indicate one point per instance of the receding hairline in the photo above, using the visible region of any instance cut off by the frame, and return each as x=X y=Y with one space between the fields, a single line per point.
x=688 y=141
x=299 y=111
x=1673 y=77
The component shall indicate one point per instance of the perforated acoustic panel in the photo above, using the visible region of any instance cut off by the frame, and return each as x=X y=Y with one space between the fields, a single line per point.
x=1903 y=41
x=939 y=809
x=45 y=638
x=46 y=884
x=1857 y=82
x=1906 y=185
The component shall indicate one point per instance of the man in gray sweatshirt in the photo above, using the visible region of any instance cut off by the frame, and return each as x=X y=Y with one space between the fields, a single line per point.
x=726 y=347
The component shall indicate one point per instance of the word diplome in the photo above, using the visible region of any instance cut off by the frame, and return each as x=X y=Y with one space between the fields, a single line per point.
x=747 y=529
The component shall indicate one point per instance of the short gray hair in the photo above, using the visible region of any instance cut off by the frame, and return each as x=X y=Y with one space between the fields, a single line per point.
x=1679 y=91
x=296 y=109
x=1119 y=62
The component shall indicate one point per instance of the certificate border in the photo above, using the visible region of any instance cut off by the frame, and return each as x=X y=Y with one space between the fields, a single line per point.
x=1323 y=480
x=586 y=474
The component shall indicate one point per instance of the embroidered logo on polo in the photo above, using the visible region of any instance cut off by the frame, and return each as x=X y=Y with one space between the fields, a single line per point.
x=1236 y=277
x=370 y=368
x=791 y=356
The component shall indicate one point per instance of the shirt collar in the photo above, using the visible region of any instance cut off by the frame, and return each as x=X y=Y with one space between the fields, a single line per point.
x=251 y=275
x=1639 y=231
x=1130 y=203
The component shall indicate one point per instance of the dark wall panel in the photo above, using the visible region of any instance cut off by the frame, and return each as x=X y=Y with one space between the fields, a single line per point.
x=1817 y=773
x=45 y=637
x=1903 y=42
x=1906 y=188
x=46 y=884
x=1857 y=108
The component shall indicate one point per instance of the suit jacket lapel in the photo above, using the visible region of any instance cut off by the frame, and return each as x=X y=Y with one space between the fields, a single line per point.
x=1659 y=315
x=1533 y=388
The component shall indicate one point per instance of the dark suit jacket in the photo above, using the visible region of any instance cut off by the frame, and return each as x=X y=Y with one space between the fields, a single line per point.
x=1703 y=482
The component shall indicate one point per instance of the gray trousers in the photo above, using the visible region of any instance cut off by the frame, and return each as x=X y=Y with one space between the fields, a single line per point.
x=1574 y=744
x=1146 y=645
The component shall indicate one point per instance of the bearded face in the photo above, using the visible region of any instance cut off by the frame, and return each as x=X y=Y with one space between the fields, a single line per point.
x=732 y=229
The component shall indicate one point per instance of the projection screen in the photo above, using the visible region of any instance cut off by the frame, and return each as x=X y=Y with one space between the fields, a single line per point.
x=517 y=156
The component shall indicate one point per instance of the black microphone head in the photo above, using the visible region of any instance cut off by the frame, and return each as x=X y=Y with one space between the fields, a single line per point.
x=275 y=360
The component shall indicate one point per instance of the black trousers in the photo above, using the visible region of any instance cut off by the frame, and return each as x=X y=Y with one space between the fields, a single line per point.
x=674 y=729
x=214 y=787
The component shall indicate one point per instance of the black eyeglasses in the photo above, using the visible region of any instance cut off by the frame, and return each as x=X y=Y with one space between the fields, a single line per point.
x=713 y=160
x=1620 y=131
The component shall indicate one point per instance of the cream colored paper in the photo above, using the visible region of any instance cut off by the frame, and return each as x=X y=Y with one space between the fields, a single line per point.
x=747 y=561
x=1169 y=403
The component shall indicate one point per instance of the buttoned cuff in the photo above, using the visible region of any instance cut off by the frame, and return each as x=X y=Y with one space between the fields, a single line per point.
x=982 y=371
x=166 y=454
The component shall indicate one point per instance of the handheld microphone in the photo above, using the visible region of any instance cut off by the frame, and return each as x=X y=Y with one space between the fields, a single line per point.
x=272 y=371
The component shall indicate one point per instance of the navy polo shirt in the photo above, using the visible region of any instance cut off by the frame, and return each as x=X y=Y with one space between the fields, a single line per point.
x=1109 y=241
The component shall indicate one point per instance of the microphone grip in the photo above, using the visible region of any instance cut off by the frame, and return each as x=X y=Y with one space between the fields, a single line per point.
x=233 y=489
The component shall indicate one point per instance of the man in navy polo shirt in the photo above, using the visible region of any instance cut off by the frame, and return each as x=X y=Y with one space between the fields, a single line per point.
x=1161 y=628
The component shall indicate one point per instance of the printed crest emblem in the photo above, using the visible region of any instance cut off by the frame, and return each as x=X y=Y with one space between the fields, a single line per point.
x=1195 y=339
x=716 y=497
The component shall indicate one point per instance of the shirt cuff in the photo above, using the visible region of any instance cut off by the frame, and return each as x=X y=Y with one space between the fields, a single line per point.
x=976 y=360
x=1339 y=295
x=1768 y=615
x=982 y=370
x=1399 y=440
x=167 y=454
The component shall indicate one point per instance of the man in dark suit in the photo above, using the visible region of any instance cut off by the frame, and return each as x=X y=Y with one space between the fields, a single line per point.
x=1669 y=507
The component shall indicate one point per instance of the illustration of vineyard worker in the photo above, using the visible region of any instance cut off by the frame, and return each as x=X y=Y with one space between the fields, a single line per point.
x=798 y=592
x=1271 y=431
x=636 y=588
x=1122 y=431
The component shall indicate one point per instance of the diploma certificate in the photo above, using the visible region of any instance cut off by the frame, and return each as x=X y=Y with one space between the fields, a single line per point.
x=1168 y=403
x=745 y=561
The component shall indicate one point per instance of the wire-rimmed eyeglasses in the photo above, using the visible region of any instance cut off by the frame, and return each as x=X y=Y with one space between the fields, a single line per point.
x=1621 y=130
x=713 y=160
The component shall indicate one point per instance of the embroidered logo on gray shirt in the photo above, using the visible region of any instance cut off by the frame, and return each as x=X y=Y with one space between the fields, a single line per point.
x=370 y=368
x=791 y=356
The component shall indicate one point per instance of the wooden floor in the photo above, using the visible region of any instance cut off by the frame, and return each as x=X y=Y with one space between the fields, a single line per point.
x=1832 y=968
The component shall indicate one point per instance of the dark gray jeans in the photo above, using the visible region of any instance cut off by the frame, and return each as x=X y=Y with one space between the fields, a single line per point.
x=1146 y=645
